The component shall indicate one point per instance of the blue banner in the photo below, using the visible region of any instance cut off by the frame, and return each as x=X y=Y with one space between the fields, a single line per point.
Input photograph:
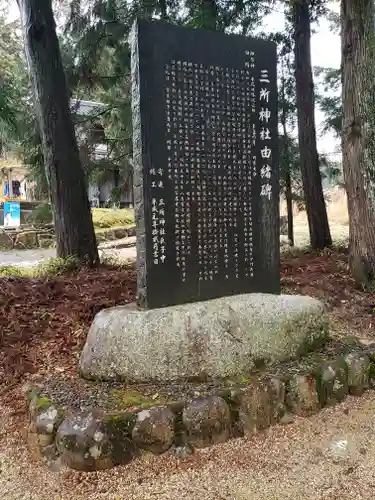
x=12 y=214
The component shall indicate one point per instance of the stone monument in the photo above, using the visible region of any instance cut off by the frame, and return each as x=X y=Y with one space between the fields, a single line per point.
x=206 y=205
x=205 y=164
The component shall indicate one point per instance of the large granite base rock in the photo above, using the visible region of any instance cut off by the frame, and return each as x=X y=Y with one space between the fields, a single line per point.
x=224 y=337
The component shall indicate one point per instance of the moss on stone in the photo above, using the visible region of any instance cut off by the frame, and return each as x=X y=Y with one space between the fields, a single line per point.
x=122 y=399
x=314 y=339
x=120 y=423
x=241 y=379
x=38 y=402
x=119 y=427
x=371 y=369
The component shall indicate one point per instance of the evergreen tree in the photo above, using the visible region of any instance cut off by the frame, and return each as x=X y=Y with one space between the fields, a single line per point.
x=302 y=12
x=73 y=224
x=358 y=137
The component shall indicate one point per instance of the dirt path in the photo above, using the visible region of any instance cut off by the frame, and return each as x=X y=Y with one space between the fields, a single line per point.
x=29 y=258
x=330 y=456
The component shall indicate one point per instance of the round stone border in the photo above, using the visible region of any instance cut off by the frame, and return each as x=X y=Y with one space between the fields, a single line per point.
x=94 y=440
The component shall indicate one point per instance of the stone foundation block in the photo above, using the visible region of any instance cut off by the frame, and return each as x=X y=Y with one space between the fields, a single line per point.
x=207 y=421
x=154 y=429
x=218 y=338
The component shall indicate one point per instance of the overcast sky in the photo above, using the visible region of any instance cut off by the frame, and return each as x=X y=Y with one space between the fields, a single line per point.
x=325 y=51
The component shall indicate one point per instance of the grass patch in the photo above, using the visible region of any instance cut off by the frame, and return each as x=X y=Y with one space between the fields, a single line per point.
x=338 y=245
x=60 y=267
x=122 y=399
x=53 y=267
x=105 y=218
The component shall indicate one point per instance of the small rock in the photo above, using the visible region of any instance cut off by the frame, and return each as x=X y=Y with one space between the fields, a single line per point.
x=41 y=440
x=207 y=421
x=286 y=419
x=6 y=241
x=120 y=233
x=301 y=395
x=41 y=446
x=46 y=242
x=358 y=372
x=342 y=450
x=90 y=441
x=154 y=429
x=26 y=240
x=48 y=421
x=332 y=382
x=261 y=404
x=182 y=452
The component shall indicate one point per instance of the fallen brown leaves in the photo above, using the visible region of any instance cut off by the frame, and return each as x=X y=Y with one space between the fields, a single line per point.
x=327 y=278
x=44 y=322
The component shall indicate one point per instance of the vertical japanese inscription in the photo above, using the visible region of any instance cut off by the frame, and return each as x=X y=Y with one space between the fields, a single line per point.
x=208 y=137
x=265 y=134
x=210 y=125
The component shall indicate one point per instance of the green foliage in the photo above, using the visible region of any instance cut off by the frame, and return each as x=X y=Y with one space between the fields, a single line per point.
x=106 y=218
x=219 y=15
x=54 y=267
x=329 y=100
x=13 y=85
x=290 y=161
x=18 y=129
x=124 y=398
x=42 y=214
x=331 y=170
x=59 y=267
x=97 y=57
x=103 y=218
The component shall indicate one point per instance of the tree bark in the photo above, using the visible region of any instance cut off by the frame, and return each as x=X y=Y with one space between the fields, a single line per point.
x=288 y=181
x=163 y=10
x=289 y=208
x=320 y=235
x=209 y=15
x=288 y=184
x=358 y=135
x=72 y=216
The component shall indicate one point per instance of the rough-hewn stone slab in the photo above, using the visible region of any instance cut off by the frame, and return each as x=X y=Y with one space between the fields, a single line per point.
x=223 y=337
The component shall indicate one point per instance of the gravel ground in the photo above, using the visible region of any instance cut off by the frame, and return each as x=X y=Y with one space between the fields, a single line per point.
x=330 y=456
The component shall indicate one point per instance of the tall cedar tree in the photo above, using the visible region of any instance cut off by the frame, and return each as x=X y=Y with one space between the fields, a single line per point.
x=320 y=236
x=286 y=160
x=358 y=136
x=73 y=223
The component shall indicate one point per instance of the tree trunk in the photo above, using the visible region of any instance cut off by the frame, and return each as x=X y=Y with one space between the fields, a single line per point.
x=73 y=223
x=209 y=15
x=287 y=159
x=289 y=207
x=163 y=10
x=358 y=136
x=320 y=236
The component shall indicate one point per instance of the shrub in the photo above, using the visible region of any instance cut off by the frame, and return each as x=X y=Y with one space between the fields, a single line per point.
x=104 y=218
